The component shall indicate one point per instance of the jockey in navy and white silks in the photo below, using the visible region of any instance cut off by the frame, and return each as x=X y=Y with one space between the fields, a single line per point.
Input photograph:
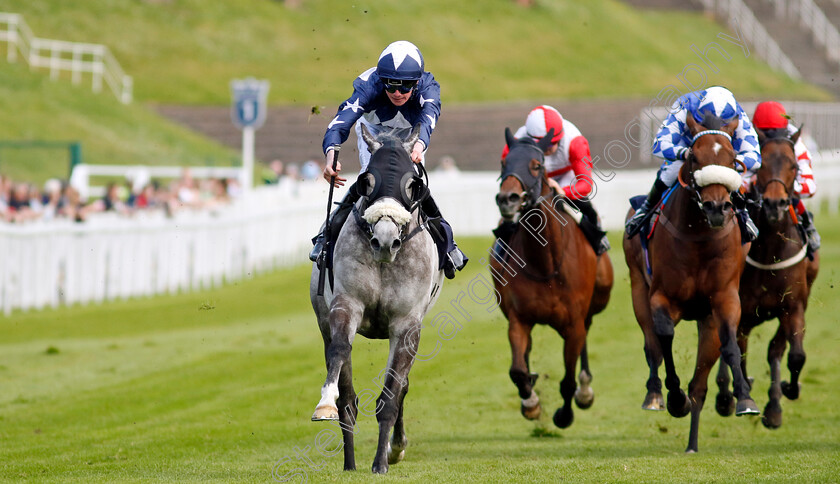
x=397 y=93
x=673 y=143
x=401 y=61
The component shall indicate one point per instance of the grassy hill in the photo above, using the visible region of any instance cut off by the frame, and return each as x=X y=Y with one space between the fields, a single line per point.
x=187 y=51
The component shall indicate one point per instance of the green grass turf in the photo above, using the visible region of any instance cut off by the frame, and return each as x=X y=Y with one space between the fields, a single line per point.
x=219 y=386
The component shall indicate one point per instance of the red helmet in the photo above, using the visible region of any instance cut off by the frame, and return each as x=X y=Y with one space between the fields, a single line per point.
x=541 y=119
x=770 y=115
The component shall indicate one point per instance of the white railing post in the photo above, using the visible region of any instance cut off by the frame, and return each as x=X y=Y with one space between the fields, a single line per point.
x=65 y=56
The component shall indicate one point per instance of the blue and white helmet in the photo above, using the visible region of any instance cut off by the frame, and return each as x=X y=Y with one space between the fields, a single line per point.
x=719 y=102
x=401 y=60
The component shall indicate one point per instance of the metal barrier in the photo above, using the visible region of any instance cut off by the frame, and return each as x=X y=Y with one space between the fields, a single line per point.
x=76 y=57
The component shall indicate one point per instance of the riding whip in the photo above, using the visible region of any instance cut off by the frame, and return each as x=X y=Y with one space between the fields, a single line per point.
x=322 y=257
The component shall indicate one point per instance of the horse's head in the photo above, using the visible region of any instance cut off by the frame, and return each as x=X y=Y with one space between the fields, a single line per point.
x=393 y=190
x=710 y=167
x=522 y=174
x=774 y=180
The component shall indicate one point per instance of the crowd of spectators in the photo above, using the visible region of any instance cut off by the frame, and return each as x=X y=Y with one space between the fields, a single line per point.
x=22 y=202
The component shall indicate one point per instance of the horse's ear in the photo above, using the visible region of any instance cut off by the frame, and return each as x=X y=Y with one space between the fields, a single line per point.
x=408 y=144
x=509 y=139
x=798 y=132
x=762 y=136
x=546 y=142
x=373 y=145
x=731 y=126
x=693 y=125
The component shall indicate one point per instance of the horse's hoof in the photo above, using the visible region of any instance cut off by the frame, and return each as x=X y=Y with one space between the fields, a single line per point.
x=678 y=404
x=530 y=407
x=394 y=457
x=563 y=418
x=531 y=413
x=746 y=407
x=791 y=392
x=653 y=401
x=584 y=397
x=377 y=469
x=690 y=451
x=725 y=404
x=772 y=418
x=325 y=412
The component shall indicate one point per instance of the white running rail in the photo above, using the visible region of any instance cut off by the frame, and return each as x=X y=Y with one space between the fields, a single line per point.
x=737 y=12
x=812 y=17
x=57 y=55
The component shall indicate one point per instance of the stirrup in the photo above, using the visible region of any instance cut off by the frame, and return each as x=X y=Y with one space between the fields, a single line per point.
x=637 y=221
x=316 y=251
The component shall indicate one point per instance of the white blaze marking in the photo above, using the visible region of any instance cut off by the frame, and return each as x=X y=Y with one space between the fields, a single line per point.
x=717 y=147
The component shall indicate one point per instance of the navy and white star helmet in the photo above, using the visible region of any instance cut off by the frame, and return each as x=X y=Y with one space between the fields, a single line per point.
x=401 y=60
x=718 y=101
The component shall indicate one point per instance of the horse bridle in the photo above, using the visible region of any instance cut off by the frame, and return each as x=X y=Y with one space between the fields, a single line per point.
x=788 y=188
x=692 y=187
x=531 y=194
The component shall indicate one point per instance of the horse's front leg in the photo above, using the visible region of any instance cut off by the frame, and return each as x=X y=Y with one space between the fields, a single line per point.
x=404 y=346
x=793 y=323
x=664 y=318
x=399 y=441
x=344 y=318
x=726 y=311
x=573 y=343
x=772 y=417
x=584 y=395
x=653 y=354
x=519 y=335
x=707 y=353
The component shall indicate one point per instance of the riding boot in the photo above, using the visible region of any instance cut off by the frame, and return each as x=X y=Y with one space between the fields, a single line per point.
x=812 y=237
x=336 y=220
x=749 y=231
x=591 y=226
x=637 y=221
x=450 y=256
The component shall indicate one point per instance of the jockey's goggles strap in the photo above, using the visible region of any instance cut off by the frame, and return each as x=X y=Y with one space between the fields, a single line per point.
x=711 y=131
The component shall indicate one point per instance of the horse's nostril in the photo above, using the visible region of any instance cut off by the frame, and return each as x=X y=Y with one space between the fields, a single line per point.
x=374 y=244
x=727 y=206
x=514 y=198
x=396 y=244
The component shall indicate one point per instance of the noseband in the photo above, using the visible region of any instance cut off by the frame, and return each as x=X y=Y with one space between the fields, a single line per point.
x=694 y=187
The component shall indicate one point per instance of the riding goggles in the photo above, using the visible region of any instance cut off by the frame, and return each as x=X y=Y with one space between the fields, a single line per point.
x=394 y=85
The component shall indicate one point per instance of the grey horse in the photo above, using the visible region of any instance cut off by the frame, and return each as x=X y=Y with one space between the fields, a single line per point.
x=386 y=278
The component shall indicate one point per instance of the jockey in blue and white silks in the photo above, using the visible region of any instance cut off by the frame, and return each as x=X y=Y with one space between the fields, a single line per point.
x=673 y=143
x=397 y=93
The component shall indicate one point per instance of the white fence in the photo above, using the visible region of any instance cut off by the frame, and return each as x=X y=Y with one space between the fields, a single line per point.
x=732 y=11
x=810 y=16
x=60 y=262
x=57 y=55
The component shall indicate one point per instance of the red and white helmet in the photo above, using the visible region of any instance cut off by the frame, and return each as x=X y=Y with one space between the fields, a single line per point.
x=541 y=119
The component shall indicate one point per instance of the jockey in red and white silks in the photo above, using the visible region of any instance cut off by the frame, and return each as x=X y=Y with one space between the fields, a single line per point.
x=771 y=115
x=568 y=163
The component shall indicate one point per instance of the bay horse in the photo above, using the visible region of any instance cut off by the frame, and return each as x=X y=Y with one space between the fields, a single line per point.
x=696 y=262
x=386 y=278
x=778 y=276
x=559 y=280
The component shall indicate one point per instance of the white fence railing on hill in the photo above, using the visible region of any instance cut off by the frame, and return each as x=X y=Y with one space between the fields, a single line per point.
x=812 y=17
x=736 y=11
x=78 y=58
x=109 y=257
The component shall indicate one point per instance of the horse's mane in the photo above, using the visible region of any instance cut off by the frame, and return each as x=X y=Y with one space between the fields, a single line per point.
x=711 y=121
